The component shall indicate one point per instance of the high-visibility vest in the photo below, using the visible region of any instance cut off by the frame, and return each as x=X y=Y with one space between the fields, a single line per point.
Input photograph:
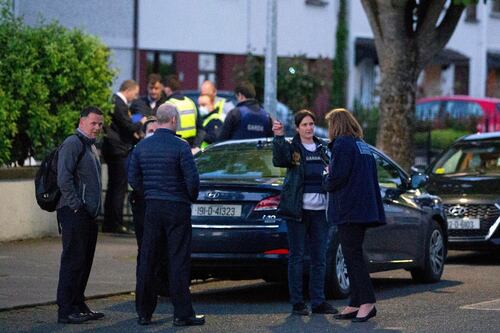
x=187 y=117
x=220 y=104
x=214 y=115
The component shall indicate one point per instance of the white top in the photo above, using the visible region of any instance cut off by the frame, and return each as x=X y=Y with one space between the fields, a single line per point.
x=124 y=99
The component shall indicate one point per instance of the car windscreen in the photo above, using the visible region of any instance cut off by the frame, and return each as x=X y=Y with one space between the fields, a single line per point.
x=470 y=158
x=238 y=162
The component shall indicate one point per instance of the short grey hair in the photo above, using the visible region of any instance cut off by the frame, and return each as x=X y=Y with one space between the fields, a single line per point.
x=166 y=112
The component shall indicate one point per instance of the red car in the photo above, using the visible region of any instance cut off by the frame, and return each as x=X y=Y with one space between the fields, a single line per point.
x=483 y=113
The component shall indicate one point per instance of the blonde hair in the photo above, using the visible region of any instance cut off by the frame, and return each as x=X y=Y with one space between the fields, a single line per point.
x=342 y=122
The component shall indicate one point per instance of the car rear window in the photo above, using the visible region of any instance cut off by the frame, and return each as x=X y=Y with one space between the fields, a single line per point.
x=238 y=161
x=482 y=157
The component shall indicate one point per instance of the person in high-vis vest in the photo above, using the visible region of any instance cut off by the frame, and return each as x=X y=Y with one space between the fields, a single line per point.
x=247 y=120
x=221 y=104
x=211 y=119
x=189 y=120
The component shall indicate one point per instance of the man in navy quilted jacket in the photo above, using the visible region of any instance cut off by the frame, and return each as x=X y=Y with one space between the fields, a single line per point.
x=163 y=168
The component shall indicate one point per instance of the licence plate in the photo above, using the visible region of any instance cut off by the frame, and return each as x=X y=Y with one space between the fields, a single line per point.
x=464 y=223
x=216 y=210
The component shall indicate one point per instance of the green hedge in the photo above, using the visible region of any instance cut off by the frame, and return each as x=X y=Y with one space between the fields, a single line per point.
x=440 y=139
x=49 y=74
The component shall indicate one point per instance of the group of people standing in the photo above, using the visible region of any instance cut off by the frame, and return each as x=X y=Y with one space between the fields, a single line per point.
x=324 y=184
x=213 y=119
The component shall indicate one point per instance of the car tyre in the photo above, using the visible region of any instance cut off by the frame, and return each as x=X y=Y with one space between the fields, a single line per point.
x=337 y=279
x=435 y=256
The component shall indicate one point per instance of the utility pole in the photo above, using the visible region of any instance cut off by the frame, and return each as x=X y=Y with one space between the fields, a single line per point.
x=270 y=81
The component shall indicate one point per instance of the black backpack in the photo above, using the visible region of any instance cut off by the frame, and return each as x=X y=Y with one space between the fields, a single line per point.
x=47 y=192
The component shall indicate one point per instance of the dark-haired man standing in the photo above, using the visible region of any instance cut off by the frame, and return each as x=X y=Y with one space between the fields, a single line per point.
x=247 y=120
x=147 y=105
x=79 y=179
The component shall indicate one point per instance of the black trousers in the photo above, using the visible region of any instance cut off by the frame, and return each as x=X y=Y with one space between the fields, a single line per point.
x=115 y=194
x=167 y=226
x=138 y=205
x=351 y=239
x=79 y=238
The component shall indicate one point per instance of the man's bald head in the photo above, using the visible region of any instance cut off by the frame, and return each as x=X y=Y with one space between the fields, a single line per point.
x=208 y=88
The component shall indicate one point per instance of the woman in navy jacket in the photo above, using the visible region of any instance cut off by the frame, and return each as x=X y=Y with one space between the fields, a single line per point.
x=354 y=204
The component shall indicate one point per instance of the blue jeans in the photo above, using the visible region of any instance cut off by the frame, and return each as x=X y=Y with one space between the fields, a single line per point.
x=313 y=227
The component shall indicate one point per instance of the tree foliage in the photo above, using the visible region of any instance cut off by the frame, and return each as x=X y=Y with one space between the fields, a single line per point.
x=298 y=83
x=49 y=74
x=339 y=78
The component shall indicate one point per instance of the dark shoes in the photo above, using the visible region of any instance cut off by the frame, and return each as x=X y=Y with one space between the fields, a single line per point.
x=74 y=318
x=343 y=316
x=190 y=321
x=324 y=308
x=372 y=313
x=144 y=320
x=94 y=315
x=300 y=309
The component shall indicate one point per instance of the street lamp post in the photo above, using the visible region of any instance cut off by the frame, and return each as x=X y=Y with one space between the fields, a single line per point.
x=270 y=81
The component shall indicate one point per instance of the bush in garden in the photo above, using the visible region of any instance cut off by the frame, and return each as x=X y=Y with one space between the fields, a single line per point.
x=49 y=74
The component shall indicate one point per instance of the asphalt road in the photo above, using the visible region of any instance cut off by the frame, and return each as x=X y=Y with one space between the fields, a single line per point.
x=466 y=300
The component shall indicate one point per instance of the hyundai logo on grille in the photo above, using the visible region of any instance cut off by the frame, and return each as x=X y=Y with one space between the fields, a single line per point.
x=456 y=210
x=213 y=195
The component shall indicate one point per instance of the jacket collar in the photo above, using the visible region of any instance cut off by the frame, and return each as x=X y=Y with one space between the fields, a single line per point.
x=85 y=138
x=176 y=95
x=165 y=131
x=317 y=141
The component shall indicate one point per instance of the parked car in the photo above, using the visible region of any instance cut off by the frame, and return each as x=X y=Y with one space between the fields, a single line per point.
x=482 y=113
x=467 y=178
x=237 y=233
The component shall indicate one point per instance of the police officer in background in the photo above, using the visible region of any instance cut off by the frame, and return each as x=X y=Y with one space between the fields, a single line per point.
x=190 y=125
x=212 y=119
x=222 y=105
x=248 y=120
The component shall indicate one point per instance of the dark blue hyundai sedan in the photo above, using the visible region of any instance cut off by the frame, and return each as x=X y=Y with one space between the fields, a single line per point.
x=237 y=233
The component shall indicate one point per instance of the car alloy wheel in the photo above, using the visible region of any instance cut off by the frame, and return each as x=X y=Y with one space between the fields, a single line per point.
x=436 y=249
x=341 y=269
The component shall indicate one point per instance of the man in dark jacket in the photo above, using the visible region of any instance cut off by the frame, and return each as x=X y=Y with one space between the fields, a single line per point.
x=248 y=120
x=120 y=136
x=147 y=105
x=79 y=179
x=162 y=167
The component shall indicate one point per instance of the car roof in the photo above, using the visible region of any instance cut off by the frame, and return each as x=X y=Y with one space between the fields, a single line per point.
x=481 y=136
x=459 y=98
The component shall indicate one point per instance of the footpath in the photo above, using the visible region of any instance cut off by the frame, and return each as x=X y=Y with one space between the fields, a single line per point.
x=29 y=270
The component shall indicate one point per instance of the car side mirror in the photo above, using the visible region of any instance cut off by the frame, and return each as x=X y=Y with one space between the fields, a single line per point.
x=418 y=180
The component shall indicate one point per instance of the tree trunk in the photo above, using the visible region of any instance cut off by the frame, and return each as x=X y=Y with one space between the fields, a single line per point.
x=407 y=35
x=397 y=91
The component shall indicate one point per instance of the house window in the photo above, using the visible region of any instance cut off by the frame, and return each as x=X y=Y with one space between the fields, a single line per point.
x=206 y=68
x=160 y=62
x=495 y=7
x=471 y=14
